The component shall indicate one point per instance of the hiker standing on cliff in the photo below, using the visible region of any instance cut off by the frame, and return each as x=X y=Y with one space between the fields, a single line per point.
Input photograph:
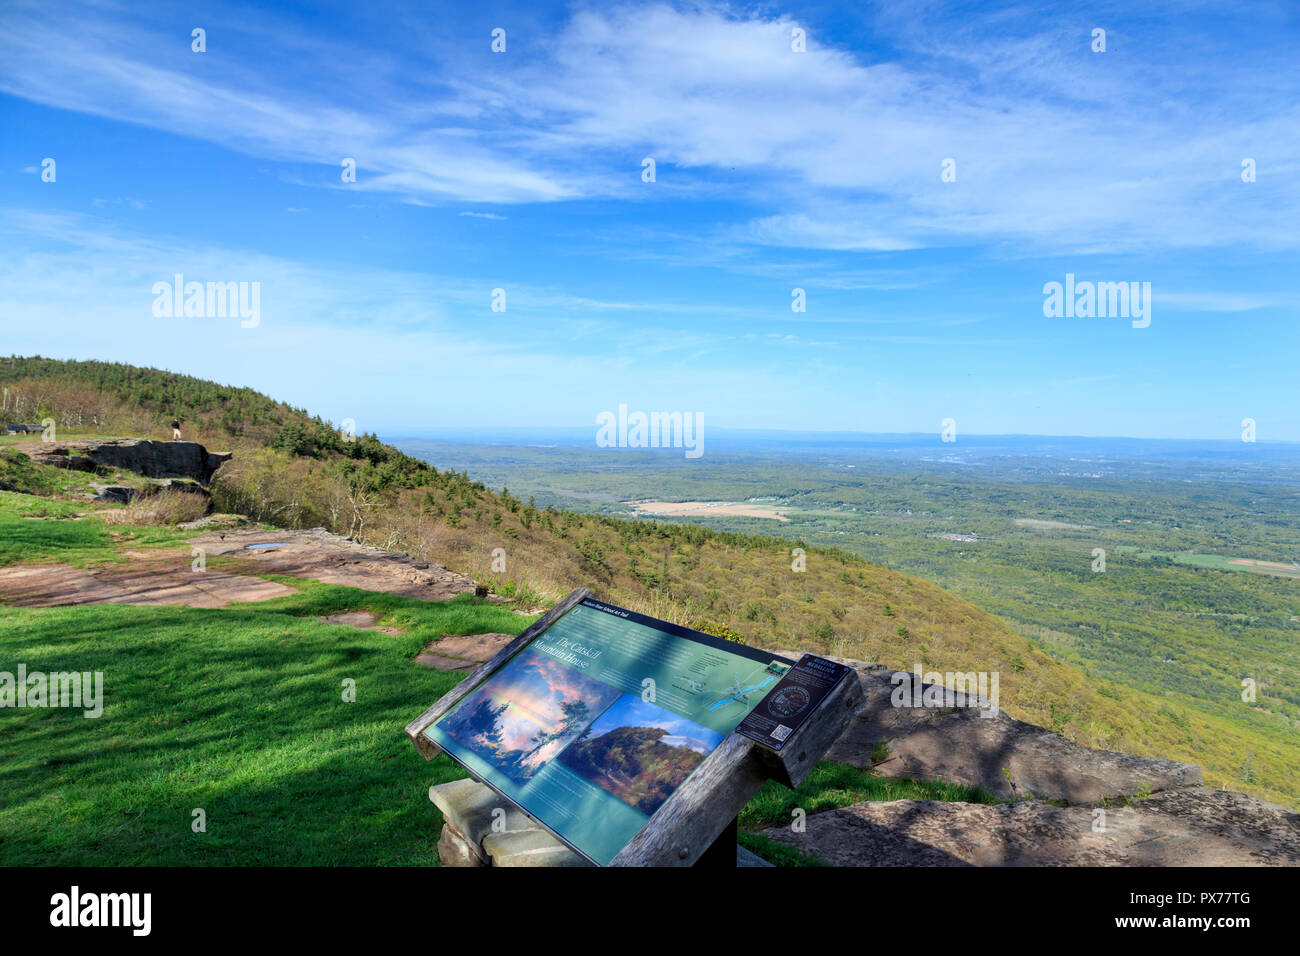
x=176 y=429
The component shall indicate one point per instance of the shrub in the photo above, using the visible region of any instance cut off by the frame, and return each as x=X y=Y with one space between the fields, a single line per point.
x=717 y=629
x=166 y=507
x=20 y=473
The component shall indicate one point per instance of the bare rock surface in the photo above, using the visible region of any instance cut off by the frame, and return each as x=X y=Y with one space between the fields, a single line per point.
x=531 y=847
x=454 y=849
x=440 y=662
x=213 y=522
x=154 y=580
x=333 y=559
x=942 y=737
x=456 y=652
x=365 y=620
x=1193 y=827
x=114 y=494
x=167 y=576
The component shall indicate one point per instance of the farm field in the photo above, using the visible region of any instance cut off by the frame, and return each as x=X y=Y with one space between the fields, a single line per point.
x=1219 y=562
x=709 y=509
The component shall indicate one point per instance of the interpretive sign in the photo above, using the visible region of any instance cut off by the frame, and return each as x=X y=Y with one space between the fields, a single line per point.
x=593 y=724
x=618 y=732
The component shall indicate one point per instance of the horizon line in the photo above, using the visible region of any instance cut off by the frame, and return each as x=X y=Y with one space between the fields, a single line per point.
x=434 y=431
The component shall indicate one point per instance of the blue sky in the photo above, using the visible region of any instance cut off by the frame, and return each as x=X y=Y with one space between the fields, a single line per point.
x=775 y=169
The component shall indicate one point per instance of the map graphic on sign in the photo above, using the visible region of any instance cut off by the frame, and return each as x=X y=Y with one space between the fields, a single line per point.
x=596 y=721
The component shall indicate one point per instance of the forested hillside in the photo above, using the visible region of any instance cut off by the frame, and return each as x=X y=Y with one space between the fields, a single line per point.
x=293 y=470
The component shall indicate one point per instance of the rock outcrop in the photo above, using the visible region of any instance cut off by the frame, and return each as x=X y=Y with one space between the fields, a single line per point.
x=1121 y=810
x=152 y=459
x=161 y=578
x=969 y=742
x=333 y=559
x=462 y=653
x=115 y=494
x=1193 y=827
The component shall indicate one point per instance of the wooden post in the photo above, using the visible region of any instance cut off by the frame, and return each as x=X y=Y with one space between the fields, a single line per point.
x=689 y=821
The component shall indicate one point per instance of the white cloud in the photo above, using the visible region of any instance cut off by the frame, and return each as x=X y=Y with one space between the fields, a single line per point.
x=1055 y=148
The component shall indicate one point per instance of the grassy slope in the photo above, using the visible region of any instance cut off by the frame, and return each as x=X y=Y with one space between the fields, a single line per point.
x=236 y=711
x=240 y=712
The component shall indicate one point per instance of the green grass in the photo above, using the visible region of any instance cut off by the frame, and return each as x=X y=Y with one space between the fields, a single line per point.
x=778 y=854
x=19 y=505
x=19 y=473
x=78 y=543
x=832 y=785
x=24 y=539
x=239 y=712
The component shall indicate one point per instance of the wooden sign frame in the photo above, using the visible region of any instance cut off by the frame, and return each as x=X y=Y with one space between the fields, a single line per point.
x=707 y=802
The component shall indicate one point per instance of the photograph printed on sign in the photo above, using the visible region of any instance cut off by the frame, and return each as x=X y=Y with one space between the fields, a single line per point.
x=525 y=716
x=640 y=753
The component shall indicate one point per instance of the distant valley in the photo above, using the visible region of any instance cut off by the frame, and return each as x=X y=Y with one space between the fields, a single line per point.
x=1165 y=566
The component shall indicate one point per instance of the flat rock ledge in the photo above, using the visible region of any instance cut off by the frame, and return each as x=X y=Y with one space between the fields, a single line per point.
x=333 y=559
x=455 y=652
x=1194 y=827
x=153 y=459
x=164 y=578
x=970 y=742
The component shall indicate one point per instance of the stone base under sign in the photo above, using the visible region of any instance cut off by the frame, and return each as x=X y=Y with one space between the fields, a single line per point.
x=481 y=829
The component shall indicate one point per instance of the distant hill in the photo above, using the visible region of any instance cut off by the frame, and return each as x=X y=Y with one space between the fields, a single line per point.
x=292 y=469
x=94 y=396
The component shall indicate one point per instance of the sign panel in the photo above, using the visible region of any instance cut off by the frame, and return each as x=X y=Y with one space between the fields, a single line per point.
x=792 y=701
x=594 y=723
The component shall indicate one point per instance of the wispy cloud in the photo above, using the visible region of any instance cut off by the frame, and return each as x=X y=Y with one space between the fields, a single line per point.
x=1055 y=147
x=1225 y=301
